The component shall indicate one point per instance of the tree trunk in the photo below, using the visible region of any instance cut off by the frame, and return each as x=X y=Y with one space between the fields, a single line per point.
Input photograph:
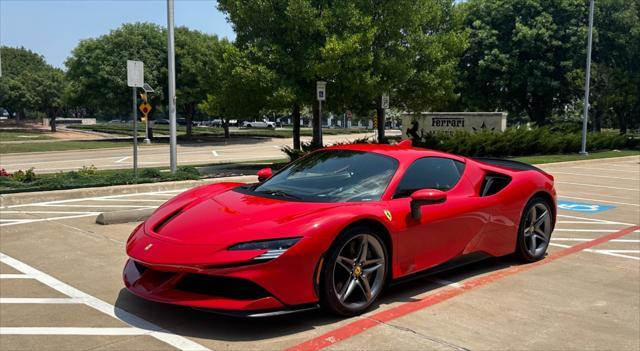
x=295 y=114
x=52 y=120
x=622 y=121
x=380 y=114
x=190 y=113
x=595 y=121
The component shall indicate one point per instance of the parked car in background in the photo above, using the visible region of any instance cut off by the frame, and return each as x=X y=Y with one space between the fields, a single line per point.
x=258 y=124
x=162 y=121
x=233 y=122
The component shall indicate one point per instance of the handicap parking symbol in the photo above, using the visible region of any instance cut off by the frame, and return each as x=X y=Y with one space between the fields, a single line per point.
x=583 y=207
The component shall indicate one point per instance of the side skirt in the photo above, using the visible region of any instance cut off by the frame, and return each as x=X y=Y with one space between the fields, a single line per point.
x=451 y=264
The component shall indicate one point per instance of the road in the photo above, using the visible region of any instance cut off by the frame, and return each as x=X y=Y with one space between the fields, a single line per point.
x=61 y=286
x=245 y=149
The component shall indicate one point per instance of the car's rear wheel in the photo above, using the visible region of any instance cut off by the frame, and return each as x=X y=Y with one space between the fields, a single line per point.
x=354 y=272
x=535 y=230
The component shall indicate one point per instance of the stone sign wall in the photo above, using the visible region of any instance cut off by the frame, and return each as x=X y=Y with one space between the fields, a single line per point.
x=426 y=122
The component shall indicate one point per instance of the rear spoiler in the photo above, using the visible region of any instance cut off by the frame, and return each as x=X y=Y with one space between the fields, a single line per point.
x=509 y=164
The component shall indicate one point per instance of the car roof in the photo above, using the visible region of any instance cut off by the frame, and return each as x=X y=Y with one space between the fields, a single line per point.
x=397 y=151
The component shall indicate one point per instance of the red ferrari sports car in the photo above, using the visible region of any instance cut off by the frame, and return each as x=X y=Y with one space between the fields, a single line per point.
x=335 y=227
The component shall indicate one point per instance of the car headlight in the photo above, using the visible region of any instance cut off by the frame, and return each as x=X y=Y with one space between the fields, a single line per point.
x=275 y=247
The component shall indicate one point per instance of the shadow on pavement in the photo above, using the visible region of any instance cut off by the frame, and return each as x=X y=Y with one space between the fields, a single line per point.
x=195 y=323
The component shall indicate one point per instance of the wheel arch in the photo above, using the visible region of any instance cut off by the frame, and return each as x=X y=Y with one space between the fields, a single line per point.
x=384 y=233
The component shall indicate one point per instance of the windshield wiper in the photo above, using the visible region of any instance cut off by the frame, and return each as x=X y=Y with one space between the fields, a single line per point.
x=280 y=193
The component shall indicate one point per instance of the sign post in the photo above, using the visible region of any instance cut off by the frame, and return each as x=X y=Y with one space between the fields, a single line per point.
x=147 y=90
x=321 y=92
x=135 y=79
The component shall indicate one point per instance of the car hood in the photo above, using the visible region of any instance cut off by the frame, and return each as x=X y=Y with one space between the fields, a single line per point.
x=230 y=217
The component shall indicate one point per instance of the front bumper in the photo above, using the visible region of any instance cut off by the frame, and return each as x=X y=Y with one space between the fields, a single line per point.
x=286 y=283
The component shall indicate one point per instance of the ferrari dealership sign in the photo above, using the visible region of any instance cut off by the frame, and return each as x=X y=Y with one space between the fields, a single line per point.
x=428 y=122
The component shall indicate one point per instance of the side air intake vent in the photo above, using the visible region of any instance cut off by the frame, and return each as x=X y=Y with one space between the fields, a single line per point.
x=493 y=183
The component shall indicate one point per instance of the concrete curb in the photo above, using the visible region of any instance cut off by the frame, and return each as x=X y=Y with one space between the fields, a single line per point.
x=45 y=196
x=117 y=217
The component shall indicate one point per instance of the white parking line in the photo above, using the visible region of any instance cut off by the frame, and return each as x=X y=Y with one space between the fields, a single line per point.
x=141 y=325
x=26 y=221
x=605 y=169
x=597 y=200
x=123 y=159
x=594 y=220
x=595 y=176
x=582 y=222
x=598 y=186
x=215 y=153
x=586 y=230
x=602 y=252
x=589 y=239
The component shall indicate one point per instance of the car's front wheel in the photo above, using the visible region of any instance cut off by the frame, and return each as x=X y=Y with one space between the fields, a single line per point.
x=535 y=230
x=354 y=272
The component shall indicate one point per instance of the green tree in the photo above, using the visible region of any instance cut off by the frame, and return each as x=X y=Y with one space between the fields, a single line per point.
x=615 y=92
x=525 y=56
x=240 y=88
x=196 y=66
x=25 y=75
x=286 y=37
x=98 y=68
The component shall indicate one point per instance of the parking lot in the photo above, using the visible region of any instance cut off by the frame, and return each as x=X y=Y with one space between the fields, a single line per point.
x=61 y=287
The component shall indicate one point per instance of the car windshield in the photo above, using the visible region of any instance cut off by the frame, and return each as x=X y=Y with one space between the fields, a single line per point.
x=332 y=176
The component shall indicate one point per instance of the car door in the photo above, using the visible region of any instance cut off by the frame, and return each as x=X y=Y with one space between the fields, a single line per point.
x=445 y=229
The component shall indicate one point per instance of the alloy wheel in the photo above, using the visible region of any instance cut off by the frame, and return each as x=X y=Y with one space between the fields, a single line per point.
x=537 y=229
x=359 y=271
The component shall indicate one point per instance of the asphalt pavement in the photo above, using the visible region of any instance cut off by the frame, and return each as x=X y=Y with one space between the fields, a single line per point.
x=61 y=286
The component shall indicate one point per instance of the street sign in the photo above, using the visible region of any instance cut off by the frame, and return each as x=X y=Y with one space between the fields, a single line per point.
x=385 y=100
x=321 y=90
x=135 y=74
x=145 y=108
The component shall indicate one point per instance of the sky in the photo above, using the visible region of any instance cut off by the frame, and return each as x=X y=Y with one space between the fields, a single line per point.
x=53 y=28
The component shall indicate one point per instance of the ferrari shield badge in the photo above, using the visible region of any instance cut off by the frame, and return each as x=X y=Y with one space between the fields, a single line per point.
x=388 y=214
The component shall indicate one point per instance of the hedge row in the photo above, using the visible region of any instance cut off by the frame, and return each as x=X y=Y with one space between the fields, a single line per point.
x=524 y=142
x=22 y=181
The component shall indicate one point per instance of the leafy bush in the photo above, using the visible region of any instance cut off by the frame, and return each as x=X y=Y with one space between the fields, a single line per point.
x=187 y=172
x=151 y=173
x=523 y=142
x=27 y=176
x=88 y=171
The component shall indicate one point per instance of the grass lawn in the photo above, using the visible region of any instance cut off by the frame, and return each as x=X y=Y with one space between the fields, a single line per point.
x=22 y=135
x=62 y=146
x=540 y=159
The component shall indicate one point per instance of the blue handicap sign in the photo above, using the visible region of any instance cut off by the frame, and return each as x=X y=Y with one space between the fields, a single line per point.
x=583 y=207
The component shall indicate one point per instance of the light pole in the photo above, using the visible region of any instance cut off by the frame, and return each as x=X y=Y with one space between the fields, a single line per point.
x=585 y=115
x=173 y=154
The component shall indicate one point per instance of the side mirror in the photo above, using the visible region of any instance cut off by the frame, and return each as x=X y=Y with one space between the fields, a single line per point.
x=264 y=174
x=424 y=197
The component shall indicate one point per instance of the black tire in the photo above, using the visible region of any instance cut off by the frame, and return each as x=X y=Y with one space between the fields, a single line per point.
x=375 y=281
x=533 y=240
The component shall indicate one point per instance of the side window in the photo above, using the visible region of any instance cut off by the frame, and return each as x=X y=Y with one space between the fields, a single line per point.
x=430 y=173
